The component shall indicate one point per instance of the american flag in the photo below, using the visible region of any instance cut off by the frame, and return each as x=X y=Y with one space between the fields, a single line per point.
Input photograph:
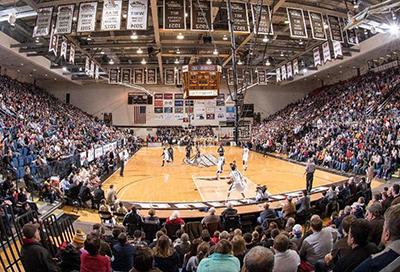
x=139 y=115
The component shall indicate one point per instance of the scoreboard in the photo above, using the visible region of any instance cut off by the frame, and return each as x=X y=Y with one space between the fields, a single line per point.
x=201 y=81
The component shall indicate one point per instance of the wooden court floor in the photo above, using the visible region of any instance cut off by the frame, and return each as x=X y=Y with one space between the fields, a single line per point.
x=145 y=180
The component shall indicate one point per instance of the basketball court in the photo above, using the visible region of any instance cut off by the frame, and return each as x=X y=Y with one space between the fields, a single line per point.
x=145 y=180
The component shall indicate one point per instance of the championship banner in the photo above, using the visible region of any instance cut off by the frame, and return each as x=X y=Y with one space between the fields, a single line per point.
x=240 y=17
x=264 y=22
x=295 y=67
x=53 y=42
x=111 y=18
x=64 y=48
x=262 y=77
x=335 y=28
x=126 y=75
x=97 y=73
x=138 y=75
x=200 y=9
x=179 y=77
x=230 y=77
x=317 y=25
x=351 y=35
x=278 y=75
x=337 y=49
x=297 y=23
x=151 y=76
x=137 y=15
x=87 y=17
x=169 y=76
x=283 y=72
x=289 y=70
x=92 y=68
x=113 y=76
x=317 y=57
x=43 y=22
x=87 y=65
x=72 y=54
x=174 y=14
x=326 y=52
x=65 y=15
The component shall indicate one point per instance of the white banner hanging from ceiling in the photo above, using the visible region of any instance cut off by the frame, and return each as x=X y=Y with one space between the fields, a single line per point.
x=326 y=51
x=87 y=65
x=92 y=68
x=317 y=25
x=111 y=17
x=337 y=49
x=151 y=76
x=295 y=67
x=72 y=54
x=53 y=42
x=297 y=23
x=113 y=76
x=137 y=15
x=65 y=15
x=263 y=21
x=87 y=17
x=278 y=74
x=43 y=22
x=64 y=48
x=200 y=15
x=97 y=72
x=169 y=76
x=289 y=70
x=317 y=57
x=174 y=14
x=240 y=18
x=335 y=28
x=283 y=72
x=262 y=77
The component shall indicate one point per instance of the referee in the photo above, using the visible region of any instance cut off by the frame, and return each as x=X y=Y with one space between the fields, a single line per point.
x=310 y=169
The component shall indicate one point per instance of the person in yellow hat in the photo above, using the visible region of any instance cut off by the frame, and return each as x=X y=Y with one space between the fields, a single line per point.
x=71 y=252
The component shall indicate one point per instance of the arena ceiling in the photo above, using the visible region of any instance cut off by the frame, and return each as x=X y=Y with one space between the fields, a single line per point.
x=161 y=48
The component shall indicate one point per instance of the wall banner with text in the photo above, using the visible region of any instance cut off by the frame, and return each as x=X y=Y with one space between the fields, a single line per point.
x=137 y=15
x=317 y=25
x=200 y=15
x=87 y=17
x=111 y=17
x=297 y=23
x=326 y=52
x=174 y=14
x=265 y=23
x=43 y=22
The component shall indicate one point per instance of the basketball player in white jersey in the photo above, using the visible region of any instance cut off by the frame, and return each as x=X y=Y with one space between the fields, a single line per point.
x=220 y=166
x=237 y=182
x=245 y=157
x=165 y=156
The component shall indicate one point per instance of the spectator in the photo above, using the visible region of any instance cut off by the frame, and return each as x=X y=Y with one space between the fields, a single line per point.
x=71 y=253
x=360 y=248
x=211 y=218
x=98 y=195
x=285 y=259
x=144 y=261
x=374 y=216
x=34 y=257
x=121 y=208
x=123 y=255
x=391 y=240
x=267 y=213
x=111 y=196
x=133 y=221
x=174 y=219
x=318 y=244
x=229 y=211
x=258 y=259
x=152 y=218
x=221 y=260
x=239 y=248
x=91 y=261
x=165 y=257
x=194 y=261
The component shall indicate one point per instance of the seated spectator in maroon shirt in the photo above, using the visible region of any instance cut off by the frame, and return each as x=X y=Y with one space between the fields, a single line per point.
x=92 y=261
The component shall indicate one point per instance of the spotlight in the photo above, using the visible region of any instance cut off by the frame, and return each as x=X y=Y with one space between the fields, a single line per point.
x=134 y=36
x=394 y=29
x=215 y=52
x=208 y=62
x=180 y=36
x=143 y=61
x=139 y=51
x=265 y=39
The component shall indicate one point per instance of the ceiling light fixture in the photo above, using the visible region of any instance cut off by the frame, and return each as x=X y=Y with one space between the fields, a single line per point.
x=239 y=62
x=301 y=42
x=134 y=36
x=267 y=63
x=215 y=52
x=282 y=54
x=37 y=40
x=305 y=70
x=143 y=61
x=326 y=26
x=394 y=29
x=265 y=39
x=186 y=14
x=124 y=15
x=176 y=61
x=102 y=52
x=355 y=4
x=178 y=51
x=180 y=36
x=89 y=38
x=111 y=62
x=225 y=38
x=286 y=21
x=139 y=51
x=208 y=62
x=74 y=19
x=65 y=69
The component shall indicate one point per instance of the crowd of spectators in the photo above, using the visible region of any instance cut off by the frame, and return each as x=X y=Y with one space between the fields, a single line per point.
x=348 y=126
x=182 y=136
x=361 y=236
